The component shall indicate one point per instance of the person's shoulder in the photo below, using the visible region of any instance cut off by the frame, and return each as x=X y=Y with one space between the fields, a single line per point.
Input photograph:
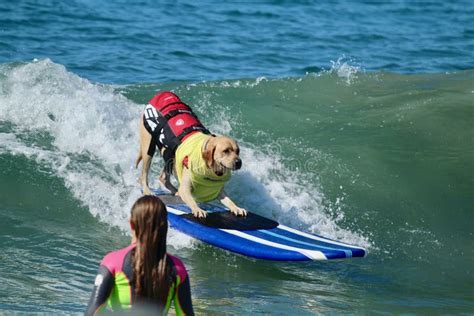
x=113 y=261
x=180 y=268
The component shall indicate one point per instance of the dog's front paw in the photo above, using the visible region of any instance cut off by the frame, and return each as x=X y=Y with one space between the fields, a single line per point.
x=199 y=213
x=146 y=191
x=238 y=211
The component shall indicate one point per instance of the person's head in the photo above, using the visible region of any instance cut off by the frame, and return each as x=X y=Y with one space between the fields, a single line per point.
x=149 y=220
x=149 y=224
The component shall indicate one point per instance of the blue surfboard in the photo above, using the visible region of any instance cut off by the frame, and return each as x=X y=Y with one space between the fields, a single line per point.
x=253 y=235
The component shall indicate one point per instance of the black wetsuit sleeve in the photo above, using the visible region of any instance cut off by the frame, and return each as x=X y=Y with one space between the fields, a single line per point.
x=104 y=282
x=183 y=303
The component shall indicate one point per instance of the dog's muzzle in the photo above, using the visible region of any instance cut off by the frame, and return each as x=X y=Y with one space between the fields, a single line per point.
x=237 y=164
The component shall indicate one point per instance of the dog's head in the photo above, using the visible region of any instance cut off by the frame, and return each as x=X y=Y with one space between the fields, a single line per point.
x=221 y=153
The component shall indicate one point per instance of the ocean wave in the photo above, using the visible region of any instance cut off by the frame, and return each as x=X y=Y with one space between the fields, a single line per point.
x=94 y=143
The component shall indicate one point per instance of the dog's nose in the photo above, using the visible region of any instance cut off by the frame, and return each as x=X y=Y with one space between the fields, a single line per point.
x=238 y=164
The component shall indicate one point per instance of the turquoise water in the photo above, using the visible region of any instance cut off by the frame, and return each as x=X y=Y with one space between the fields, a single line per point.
x=355 y=122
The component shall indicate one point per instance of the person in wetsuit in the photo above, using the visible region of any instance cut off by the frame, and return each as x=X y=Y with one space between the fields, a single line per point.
x=142 y=277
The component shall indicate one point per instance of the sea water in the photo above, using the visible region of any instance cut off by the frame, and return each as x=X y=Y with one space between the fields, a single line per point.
x=355 y=122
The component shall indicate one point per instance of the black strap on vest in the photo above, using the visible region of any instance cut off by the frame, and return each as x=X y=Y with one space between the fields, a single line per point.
x=161 y=124
x=190 y=129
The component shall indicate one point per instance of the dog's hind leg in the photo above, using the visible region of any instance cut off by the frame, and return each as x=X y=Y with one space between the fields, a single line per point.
x=145 y=142
x=146 y=162
x=139 y=158
x=165 y=179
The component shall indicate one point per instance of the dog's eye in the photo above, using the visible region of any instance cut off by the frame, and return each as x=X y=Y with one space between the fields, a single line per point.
x=227 y=151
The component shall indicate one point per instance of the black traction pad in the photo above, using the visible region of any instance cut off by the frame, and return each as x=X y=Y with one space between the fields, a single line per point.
x=227 y=220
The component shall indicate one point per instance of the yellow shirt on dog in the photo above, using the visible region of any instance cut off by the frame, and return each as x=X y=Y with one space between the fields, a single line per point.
x=206 y=184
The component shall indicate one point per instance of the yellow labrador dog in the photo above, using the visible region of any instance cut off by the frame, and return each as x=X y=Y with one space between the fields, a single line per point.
x=201 y=162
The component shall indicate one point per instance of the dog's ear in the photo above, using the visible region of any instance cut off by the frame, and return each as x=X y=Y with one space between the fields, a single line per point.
x=208 y=152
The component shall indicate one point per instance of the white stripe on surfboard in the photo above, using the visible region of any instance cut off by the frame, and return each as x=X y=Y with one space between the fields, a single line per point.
x=175 y=211
x=333 y=246
x=312 y=254
x=316 y=237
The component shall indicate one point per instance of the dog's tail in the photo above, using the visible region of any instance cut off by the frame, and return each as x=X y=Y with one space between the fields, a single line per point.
x=139 y=158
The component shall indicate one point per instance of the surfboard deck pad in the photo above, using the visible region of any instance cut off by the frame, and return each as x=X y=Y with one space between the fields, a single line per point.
x=222 y=219
x=227 y=220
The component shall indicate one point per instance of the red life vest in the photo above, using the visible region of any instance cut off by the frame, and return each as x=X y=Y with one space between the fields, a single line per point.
x=175 y=121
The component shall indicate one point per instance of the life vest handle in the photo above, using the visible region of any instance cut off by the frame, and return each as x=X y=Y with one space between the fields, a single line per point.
x=177 y=112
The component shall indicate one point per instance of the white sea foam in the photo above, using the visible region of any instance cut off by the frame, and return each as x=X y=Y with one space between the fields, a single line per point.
x=233 y=84
x=95 y=136
x=96 y=142
x=345 y=68
x=270 y=188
